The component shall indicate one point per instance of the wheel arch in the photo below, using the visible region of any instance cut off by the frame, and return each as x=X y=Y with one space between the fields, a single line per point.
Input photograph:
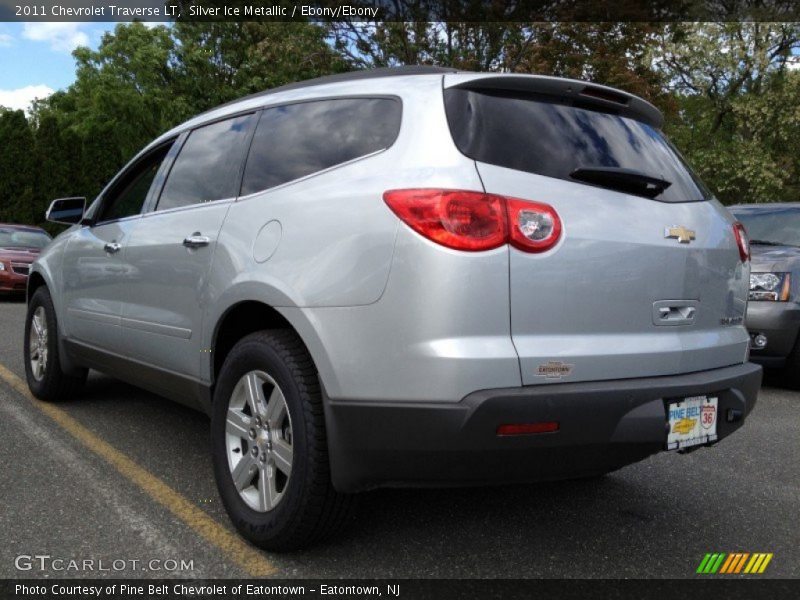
x=35 y=281
x=248 y=316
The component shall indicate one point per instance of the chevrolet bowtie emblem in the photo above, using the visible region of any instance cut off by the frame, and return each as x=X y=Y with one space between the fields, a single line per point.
x=680 y=233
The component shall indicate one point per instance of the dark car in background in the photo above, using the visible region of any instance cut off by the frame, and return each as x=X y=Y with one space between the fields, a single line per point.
x=773 y=313
x=20 y=245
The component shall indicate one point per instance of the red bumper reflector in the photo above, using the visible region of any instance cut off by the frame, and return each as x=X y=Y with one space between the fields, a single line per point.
x=528 y=428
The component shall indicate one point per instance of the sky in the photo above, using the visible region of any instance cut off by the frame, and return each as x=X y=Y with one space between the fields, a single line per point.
x=36 y=60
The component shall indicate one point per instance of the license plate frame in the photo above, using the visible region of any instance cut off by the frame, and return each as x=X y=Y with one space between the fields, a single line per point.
x=692 y=421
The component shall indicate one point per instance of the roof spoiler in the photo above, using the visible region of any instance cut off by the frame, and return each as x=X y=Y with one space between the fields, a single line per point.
x=572 y=91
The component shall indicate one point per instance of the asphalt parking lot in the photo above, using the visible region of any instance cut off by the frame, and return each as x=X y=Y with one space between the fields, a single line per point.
x=658 y=518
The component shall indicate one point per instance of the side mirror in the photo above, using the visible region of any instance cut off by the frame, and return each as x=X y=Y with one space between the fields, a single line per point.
x=67 y=211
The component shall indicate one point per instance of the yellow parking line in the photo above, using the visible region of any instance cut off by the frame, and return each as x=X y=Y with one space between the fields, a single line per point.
x=234 y=547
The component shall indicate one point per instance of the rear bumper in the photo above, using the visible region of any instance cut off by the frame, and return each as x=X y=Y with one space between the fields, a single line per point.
x=780 y=322
x=602 y=426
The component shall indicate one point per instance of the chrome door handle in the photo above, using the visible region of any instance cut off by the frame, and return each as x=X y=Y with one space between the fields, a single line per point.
x=112 y=247
x=196 y=241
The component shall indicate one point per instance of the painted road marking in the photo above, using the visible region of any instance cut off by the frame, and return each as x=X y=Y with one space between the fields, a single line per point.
x=249 y=558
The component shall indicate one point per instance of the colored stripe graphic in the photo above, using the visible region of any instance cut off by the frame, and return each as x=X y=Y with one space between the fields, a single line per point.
x=740 y=564
x=717 y=563
x=752 y=562
x=703 y=563
x=728 y=563
x=733 y=563
x=764 y=564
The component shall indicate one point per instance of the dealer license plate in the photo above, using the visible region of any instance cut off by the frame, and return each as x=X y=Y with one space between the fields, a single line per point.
x=692 y=421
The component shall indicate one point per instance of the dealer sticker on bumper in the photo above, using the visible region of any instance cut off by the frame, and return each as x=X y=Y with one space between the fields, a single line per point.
x=692 y=421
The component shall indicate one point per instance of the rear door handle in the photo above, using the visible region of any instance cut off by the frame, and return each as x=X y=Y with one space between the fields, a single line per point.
x=112 y=247
x=196 y=241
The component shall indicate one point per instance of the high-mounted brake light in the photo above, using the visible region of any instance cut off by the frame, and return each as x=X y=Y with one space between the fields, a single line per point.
x=475 y=221
x=742 y=241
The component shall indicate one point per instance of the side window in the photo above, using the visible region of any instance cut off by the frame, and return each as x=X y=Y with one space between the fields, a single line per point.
x=209 y=165
x=127 y=197
x=297 y=140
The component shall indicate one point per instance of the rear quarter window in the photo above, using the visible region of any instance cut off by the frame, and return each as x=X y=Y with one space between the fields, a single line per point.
x=298 y=140
x=537 y=134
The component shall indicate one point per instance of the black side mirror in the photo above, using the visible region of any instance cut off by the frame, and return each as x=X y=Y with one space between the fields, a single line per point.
x=67 y=211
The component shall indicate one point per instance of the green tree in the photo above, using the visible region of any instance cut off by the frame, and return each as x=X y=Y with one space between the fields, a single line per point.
x=221 y=61
x=737 y=102
x=17 y=173
x=614 y=54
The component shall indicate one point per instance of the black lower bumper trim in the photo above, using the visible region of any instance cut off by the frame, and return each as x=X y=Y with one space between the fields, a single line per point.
x=603 y=426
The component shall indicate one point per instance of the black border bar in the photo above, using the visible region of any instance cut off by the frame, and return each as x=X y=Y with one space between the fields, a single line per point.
x=434 y=589
x=402 y=10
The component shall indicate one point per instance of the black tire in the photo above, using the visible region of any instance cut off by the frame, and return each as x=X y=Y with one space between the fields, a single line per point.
x=791 y=370
x=53 y=385
x=310 y=510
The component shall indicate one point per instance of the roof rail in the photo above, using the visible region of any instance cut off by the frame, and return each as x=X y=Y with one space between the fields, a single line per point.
x=342 y=77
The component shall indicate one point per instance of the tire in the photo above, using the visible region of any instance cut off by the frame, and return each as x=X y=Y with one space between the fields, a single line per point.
x=43 y=371
x=791 y=370
x=274 y=510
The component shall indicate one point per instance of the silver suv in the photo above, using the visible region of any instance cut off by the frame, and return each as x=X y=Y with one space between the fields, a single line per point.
x=406 y=277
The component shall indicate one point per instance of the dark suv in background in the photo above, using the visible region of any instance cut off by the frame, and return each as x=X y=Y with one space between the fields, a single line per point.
x=773 y=312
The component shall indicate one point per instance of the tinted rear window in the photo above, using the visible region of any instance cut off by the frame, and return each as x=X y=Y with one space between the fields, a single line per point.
x=536 y=135
x=776 y=225
x=297 y=140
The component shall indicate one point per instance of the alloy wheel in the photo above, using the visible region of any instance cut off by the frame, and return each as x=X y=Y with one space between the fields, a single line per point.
x=258 y=432
x=38 y=343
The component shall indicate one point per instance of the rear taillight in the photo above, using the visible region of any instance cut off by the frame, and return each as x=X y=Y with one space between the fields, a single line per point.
x=742 y=241
x=532 y=226
x=475 y=221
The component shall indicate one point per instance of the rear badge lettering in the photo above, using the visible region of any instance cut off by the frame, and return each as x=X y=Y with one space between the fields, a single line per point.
x=554 y=370
x=731 y=321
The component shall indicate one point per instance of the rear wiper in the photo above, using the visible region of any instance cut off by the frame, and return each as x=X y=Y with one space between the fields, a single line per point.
x=623 y=180
x=768 y=243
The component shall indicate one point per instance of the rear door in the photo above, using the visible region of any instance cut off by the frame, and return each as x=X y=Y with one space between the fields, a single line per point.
x=640 y=283
x=172 y=247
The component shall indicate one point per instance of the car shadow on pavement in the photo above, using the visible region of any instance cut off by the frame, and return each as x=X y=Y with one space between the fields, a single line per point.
x=778 y=378
x=583 y=527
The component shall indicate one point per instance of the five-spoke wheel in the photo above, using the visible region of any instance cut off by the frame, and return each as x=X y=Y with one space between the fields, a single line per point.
x=269 y=444
x=259 y=440
x=37 y=350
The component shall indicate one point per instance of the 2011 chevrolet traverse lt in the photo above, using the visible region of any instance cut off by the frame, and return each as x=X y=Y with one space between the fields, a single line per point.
x=406 y=277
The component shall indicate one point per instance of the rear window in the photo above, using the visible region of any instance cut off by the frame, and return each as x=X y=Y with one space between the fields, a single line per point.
x=539 y=135
x=23 y=238
x=770 y=225
x=298 y=140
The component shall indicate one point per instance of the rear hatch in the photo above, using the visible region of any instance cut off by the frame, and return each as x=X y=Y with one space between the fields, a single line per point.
x=646 y=278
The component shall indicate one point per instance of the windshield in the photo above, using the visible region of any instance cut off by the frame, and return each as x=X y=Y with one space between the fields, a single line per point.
x=538 y=135
x=778 y=225
x=23 y=238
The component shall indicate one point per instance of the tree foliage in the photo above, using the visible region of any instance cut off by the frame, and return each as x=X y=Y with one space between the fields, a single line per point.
x=731 y=99
x=738 y=103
